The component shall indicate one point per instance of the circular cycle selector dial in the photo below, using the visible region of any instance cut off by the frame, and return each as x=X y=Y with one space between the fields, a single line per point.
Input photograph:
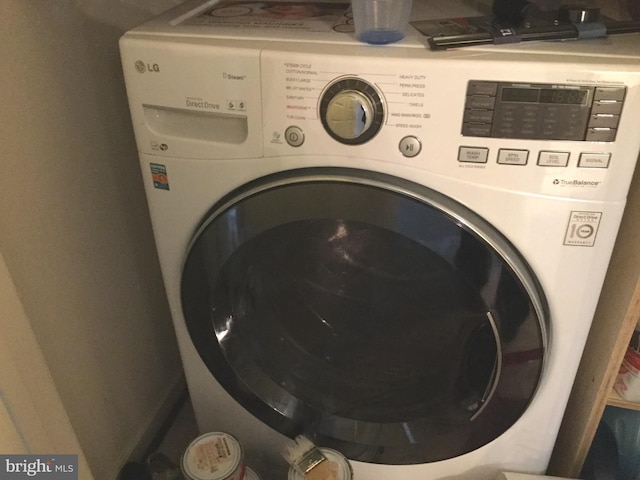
x=351 y=111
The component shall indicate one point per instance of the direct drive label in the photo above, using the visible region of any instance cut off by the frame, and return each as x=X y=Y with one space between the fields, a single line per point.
x=582 y=228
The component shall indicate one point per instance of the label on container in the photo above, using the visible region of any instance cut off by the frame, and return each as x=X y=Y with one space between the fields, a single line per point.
x=339 y=465
x=213 y=456
x=628 y=381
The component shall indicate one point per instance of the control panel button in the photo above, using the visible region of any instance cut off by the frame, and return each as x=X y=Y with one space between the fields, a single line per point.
x=410 y=146
x=482 y=88
x=604 y=120
x=601 y=134
x=473 y=154
x=512 y=157
x=553 y=159
x=610 y=93
x=478 y=116
x=594 y=160
x=476 y=129
x=608 y=107
x=482 y=102
x=294 y=136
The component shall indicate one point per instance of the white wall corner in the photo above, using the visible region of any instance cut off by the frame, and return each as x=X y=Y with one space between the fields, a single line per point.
x=33 y=419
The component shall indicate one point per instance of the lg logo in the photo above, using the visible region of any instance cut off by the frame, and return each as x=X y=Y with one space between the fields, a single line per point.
x=142 y=67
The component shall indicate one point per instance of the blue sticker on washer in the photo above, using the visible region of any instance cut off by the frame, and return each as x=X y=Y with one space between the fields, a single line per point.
x=159 y=176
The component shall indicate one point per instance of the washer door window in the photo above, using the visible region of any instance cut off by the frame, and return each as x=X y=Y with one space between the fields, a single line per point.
x=375 y=315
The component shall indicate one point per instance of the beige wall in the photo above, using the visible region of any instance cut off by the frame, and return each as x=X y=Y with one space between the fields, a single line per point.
x=74 y=230
x=32 y=416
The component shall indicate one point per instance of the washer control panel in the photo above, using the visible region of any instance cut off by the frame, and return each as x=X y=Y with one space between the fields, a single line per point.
x=351 y=110
x=542 y=111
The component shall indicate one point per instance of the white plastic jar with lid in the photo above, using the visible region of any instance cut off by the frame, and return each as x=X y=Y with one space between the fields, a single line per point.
x=339 y=464
x=213 y=456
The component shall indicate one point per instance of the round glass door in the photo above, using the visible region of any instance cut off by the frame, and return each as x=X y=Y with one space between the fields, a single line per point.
x=375 y=315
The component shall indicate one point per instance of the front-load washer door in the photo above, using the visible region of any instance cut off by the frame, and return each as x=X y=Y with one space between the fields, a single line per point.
x=375 y=315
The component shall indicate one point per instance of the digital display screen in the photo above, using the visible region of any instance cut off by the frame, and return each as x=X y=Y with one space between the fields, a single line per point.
x=521 y=95
x=563 y=96
x=544 y=95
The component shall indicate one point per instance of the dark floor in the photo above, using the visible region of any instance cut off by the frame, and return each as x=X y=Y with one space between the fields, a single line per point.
x=162 y=459
x=181 y=432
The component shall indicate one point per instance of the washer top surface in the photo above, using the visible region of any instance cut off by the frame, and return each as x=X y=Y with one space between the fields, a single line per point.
x=331 y=22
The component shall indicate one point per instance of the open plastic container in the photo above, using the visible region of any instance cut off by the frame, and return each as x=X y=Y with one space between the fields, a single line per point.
x=379 y=22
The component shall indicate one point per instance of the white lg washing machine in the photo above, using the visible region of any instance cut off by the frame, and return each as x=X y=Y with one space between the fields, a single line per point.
x=395 y=251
